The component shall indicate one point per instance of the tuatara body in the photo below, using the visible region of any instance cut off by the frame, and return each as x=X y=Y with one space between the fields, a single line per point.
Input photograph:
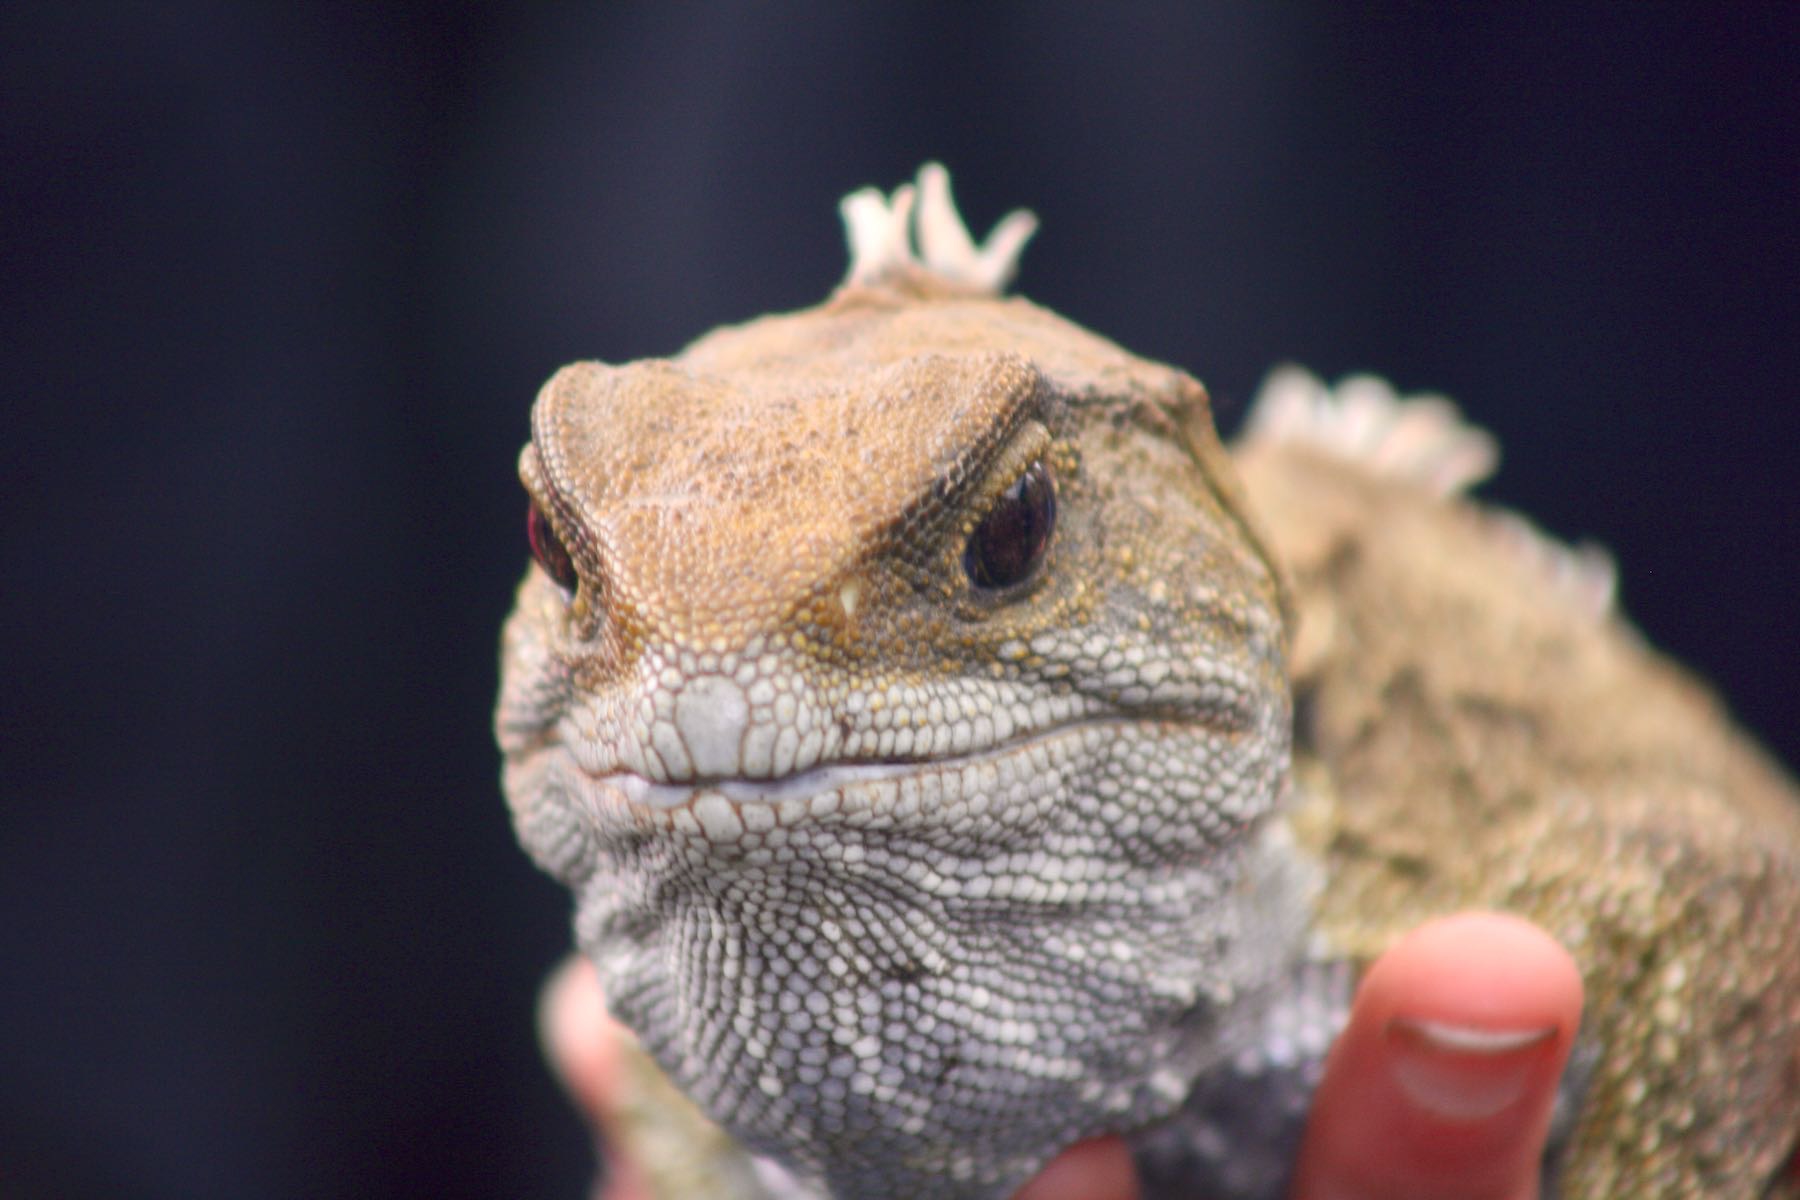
x=955 y=752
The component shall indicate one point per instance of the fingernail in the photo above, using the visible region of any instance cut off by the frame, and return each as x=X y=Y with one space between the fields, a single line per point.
x=1461 y=1072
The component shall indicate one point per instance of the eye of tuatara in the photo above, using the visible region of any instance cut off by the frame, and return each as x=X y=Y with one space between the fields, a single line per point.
x=1011 y=539
x=549 y=551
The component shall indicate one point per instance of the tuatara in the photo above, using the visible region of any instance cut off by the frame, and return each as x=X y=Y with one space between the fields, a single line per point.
x=956 y=752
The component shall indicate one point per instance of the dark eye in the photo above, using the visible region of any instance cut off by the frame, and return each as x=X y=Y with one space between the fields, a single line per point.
x=549 y=551
x=1011 y=540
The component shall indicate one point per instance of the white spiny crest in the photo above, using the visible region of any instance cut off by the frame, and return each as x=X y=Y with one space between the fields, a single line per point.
x=1363 y=419
x=1421 y=438
x=918 y=227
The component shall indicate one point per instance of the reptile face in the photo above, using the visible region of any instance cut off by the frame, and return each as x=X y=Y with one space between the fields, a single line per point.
x=894 y=697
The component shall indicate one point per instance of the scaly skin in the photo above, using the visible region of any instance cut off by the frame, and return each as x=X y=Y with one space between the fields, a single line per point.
x=1478 y=736
x=910 y=880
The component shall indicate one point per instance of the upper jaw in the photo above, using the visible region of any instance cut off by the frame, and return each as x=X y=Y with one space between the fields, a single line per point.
x=639 y=791
x=757 y=730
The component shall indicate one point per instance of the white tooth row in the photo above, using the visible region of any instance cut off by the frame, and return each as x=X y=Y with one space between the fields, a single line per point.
x=641 y=791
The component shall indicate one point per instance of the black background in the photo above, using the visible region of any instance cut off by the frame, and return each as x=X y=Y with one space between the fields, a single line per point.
x=280 y=282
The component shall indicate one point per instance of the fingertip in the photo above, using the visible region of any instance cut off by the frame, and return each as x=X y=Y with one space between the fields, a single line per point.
x=579 y=1037
x=1477 y=969
x=1443 y=1080
x=1097 y=1169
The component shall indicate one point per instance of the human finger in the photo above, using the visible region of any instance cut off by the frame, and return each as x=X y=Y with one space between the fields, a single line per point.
x=1442 y=1082
x=1097 y=1169
x=582 y=1041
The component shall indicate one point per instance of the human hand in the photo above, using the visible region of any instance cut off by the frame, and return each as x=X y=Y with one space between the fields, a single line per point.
x=1401 y=1110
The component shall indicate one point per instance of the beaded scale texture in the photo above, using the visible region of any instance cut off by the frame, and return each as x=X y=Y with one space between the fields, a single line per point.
x=907 y=692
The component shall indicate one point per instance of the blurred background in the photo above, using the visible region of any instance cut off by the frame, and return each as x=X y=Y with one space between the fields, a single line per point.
x=280 y=281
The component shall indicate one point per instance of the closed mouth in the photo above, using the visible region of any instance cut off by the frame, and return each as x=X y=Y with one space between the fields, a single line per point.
x=827 y=777
x=810 y=782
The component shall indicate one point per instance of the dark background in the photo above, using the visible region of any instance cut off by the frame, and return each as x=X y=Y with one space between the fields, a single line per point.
x=279 y=283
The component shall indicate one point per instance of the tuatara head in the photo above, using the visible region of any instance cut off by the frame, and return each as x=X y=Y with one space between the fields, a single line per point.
x=900 y=688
